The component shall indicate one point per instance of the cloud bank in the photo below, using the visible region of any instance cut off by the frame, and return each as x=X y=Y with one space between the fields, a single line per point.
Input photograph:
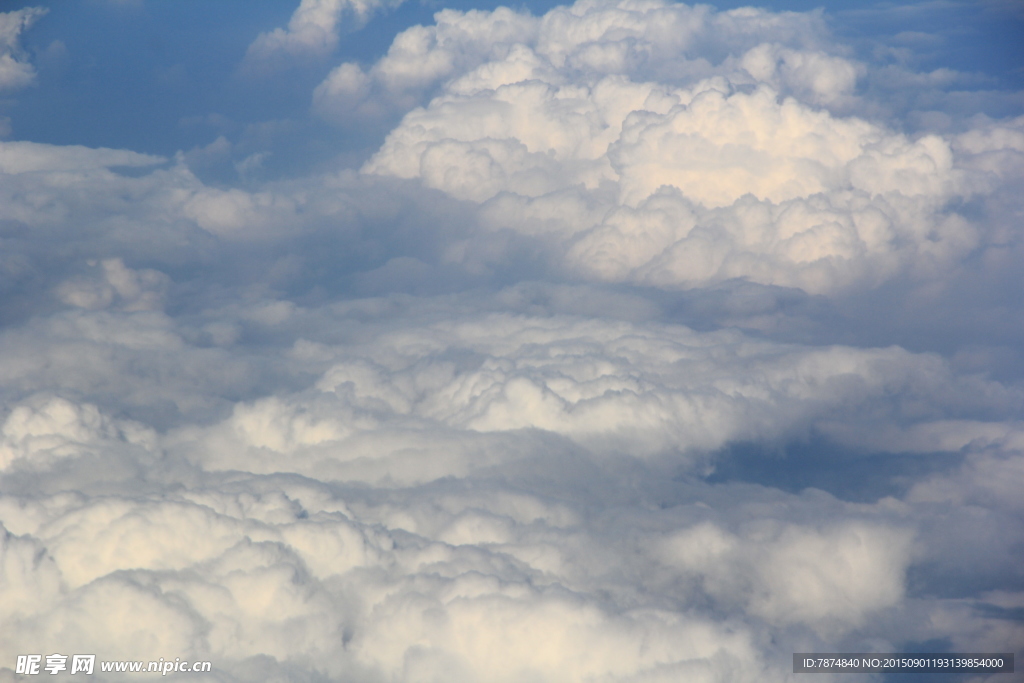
x=593 y=371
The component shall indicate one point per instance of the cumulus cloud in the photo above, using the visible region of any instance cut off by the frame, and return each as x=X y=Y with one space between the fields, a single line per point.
x=428 y=502
x=478 y=50
x=630 y=355
x=839 y=575
x=394 y=411
x=15 y=70
x=745 y=159
x=312 y=32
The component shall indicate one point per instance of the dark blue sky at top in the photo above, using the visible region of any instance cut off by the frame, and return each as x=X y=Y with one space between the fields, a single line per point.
x=159 y=77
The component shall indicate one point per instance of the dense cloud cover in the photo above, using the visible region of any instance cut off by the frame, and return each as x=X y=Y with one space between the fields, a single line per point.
x=651 y=343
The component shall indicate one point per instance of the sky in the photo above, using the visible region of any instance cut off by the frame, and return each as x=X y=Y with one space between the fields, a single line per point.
x=411 y=342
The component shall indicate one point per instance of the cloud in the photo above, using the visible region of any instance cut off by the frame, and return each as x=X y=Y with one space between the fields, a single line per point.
x=828 y=577
x=133 y=290
x=45 y=429
x=418 y=59
x=15 y=71
x=447 y=487
x=454 y=575
x=449 y=399
x=312 y=32
x=479 y=50
x=727 y=169
x=643 y=348
x=30 y=157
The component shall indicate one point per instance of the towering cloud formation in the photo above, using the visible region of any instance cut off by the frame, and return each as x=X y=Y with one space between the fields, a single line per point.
x=596 y=370
x=666 y=145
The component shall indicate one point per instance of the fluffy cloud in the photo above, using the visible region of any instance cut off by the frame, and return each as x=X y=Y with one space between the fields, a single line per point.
x=738 y=164
x=447 y=492
x=42 y=430
x=312 y=31
x=476 y=581
x=580 y=43
x=449 y=399
x=15 y=71
x=786 y=573
x=632 y=354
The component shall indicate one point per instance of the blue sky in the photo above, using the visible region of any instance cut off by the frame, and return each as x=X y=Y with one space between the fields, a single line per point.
x=615 y=341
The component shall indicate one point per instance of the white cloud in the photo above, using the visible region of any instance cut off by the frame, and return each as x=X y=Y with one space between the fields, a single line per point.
x=15 y=71
x=44 y=429
x=828 y=577
x=760 y=181
x=453 y=568
x=312 y=31
x=991 y=478
x=29 y=157
x=91 y=183
x=662 y=42
x=132 y=290
x=419 y=58
x=458 y=574
x=30 y=578
x=820 y=77
x=562 y=442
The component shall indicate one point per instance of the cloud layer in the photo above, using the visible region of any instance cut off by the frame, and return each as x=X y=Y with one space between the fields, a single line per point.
x=453 y=488
x=595 y=370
